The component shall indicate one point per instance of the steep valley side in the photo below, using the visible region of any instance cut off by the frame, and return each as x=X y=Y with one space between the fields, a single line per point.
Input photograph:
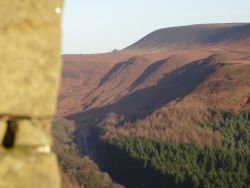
x=177 y=117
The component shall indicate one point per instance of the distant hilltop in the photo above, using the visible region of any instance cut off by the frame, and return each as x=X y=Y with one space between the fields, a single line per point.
x=193 y=36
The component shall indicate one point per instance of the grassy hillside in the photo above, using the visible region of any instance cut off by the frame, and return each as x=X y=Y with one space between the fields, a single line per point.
x=192 y=37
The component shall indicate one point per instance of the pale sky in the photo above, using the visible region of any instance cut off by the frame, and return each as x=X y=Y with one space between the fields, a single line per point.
x=97 y=26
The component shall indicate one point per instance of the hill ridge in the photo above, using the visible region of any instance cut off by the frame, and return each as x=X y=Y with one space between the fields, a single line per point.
x=191 y=36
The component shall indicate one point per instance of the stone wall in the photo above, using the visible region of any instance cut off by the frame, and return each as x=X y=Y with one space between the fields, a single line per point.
x=29 y=77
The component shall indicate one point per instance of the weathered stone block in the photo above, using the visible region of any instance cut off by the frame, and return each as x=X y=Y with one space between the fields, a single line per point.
x=33 y=133
x=3 y=128
x=30 y=56
x=29 y=171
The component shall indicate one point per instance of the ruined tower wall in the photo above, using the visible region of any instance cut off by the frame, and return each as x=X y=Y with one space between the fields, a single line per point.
x=30 y=64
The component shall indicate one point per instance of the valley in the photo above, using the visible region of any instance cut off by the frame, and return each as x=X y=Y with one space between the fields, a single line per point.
x=167 y=107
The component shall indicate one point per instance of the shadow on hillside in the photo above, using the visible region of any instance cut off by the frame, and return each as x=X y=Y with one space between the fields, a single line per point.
x=139 y=104
x=116 y=69
x=232 y=34
x=149 y=71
